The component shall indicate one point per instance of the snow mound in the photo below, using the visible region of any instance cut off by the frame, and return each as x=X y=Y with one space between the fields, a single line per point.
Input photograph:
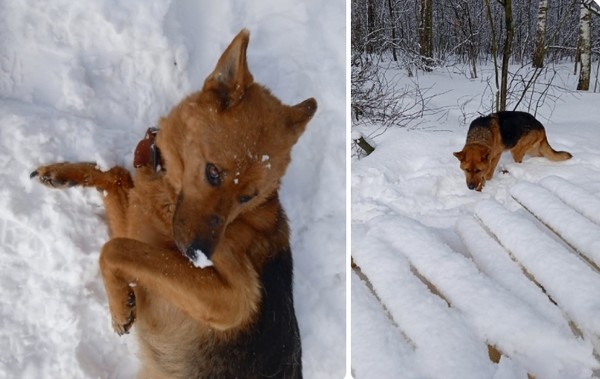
x=571 y=282
x=445 y=345
x=496 y=315
x=579 y=232
x=578 y=198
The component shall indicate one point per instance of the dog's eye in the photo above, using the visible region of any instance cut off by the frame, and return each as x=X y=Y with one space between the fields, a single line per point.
x=246 y=198
x=213 y=175
x=477 y=171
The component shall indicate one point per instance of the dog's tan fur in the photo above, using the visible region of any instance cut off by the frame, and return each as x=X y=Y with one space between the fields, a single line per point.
x=489 y=136
x=189 y=319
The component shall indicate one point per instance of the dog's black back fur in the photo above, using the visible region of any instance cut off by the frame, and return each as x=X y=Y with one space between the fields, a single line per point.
x=276 y=339
x=513 y=125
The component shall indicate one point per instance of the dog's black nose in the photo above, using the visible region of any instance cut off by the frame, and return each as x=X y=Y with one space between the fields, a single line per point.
x=471 y=186
x=199 y=246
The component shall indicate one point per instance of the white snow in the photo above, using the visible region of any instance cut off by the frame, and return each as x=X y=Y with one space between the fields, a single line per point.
x=500 y=274
x=381 y=348
x=492 y=259
x=579 y=199
x=566 y=278
x=439 y=333
x=201 y=260
x=574 y=228
x=355 y=135
x=82 y=81
x=555 y=353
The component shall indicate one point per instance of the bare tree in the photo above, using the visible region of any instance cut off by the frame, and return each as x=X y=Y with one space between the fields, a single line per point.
x=585 y=48
x=370 y=49
x=464 y=25
x=426 y=34
x=540 y=49
x=494 y=51
x=393 y=25
x=506 y=52
x=392 y=38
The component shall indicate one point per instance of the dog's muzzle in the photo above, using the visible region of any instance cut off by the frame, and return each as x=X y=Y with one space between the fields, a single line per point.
x=196 y=235
x=198 y=246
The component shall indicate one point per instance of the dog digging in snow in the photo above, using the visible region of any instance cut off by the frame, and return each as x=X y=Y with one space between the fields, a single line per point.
x=489 y=136
x=199 y=259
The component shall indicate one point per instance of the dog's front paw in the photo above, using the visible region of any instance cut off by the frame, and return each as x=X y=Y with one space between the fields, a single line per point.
x=122 y=326
x=55 y=175
x=123 y=316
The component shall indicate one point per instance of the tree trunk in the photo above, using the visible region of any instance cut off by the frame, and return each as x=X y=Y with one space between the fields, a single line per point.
x=393 y=22
x=426 y=34
x=585 y=37
x=370 y=27
x=506 y=52
x=472 y=48
x=539 y=50
x=494 y=50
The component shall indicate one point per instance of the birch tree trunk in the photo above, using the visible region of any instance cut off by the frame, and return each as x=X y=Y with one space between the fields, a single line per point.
x=585 y=48
x=426 y=34
x=539 y=50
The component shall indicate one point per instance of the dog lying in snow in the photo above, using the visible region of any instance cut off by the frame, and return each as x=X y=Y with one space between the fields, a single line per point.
x=199 y=257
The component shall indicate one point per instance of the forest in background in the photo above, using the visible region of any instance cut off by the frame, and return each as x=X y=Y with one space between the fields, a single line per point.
x=522 y=40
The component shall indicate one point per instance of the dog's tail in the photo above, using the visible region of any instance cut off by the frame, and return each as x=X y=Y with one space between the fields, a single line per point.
x=547 y=151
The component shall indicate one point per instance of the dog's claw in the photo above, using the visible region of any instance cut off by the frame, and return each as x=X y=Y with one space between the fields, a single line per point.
x=51 y=180
x=121 y=325
x=131 y=300
x=123 y=328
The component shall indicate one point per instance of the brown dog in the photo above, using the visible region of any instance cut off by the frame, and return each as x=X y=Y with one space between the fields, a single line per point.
x=199 y=257
x=489 y=136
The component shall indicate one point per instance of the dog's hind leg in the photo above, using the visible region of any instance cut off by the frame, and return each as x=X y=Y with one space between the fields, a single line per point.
x=114 y=185
x=528 y=144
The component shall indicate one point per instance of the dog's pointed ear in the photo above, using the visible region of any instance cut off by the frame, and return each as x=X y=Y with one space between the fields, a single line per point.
x=231 y=76
x=460 y=155
x=299 y=115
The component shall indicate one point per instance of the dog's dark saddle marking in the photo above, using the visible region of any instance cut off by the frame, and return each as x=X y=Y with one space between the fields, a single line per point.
x=513 y=125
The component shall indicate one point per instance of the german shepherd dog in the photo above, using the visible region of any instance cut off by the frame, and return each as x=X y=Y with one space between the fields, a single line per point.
x=489 y=136
x=199 y=256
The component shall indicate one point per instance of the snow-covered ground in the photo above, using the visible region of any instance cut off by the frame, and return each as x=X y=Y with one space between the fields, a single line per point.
x=82 y=81
x=445 y=272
